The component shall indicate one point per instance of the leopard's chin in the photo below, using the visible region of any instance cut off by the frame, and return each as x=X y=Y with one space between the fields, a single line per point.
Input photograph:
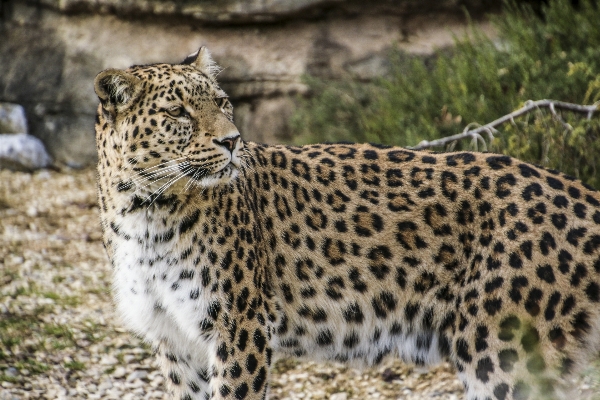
x=202 y=177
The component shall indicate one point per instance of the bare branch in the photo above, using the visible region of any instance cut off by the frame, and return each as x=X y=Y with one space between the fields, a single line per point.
x=475 y=134
x=559 y=118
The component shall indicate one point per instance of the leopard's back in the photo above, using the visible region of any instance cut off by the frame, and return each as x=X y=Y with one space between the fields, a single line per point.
x=477 y=258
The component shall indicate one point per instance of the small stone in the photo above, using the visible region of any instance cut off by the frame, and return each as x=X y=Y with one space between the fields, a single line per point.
x=389 y=375
x=91 y=388
x=128 y=358
x=105 y=385
x=32 y=212
x=339 y=396
x=109 y=360
x=138 y=374
x=119 y=372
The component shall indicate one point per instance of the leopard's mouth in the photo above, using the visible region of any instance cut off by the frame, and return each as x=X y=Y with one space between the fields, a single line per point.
x=202 y=173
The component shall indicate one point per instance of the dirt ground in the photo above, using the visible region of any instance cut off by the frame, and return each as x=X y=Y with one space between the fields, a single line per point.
x=60 y=338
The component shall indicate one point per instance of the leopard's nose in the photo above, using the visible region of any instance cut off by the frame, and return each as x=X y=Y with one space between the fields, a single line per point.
x=228 y=143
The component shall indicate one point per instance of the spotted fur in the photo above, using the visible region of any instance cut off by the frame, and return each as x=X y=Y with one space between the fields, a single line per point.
x=226 y=253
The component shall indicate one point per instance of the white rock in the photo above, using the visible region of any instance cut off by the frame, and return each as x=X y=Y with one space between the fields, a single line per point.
x=339 y=396
x=119 y=372
x=105 y=385
x=128 y=358
x=32 y=212
x=91 y=388
x=109 y=360
x=138 y=374
x=21 y=151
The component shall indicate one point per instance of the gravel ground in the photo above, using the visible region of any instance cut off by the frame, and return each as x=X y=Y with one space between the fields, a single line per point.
x=59 y=336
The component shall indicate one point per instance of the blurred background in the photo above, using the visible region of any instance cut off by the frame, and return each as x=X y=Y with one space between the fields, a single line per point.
x=297 y=71
x=51 y=50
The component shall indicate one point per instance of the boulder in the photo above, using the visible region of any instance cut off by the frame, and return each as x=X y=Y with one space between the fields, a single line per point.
x=23 y=152
x=18 y=150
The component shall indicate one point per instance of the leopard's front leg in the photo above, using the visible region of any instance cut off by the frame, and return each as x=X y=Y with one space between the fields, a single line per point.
x=187 y=372
x=242 y=361
x=235 y=365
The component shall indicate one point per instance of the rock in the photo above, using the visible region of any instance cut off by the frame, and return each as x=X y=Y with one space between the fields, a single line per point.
x=32 y=212
x=12 y=118
x=22 y=152
x=389 y=375
x=220 y=12
x=137 y=374
x=339 y=396
x=369 y=68
x=119 y=372
x=109 y=359
x=105 y=385
x=51 y=50
x=215 y=11
x=265 y=119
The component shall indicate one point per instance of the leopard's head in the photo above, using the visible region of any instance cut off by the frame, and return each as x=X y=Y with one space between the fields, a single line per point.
x=166 y=125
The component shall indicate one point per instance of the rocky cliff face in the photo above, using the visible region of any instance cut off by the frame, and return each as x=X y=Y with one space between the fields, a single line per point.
x=219 y=12
x=51 y=50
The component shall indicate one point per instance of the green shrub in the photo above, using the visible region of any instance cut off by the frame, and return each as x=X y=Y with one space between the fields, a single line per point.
x=552 y=54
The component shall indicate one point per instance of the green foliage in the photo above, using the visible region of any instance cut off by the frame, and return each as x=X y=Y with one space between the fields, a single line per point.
x=336 y=113
x=75 y=365
x=554 y=54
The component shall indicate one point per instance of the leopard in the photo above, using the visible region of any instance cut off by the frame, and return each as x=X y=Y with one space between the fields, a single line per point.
x=228 y=254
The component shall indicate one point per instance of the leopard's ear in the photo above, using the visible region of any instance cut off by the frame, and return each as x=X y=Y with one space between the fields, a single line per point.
x=203 y=62
x=116 y=89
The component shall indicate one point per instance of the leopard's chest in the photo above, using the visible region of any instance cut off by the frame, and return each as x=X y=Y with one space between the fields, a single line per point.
x=158 y=292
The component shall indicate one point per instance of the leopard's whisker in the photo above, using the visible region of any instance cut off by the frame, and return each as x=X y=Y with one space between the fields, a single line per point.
x=167 y=173
x=148 y=170
x=145 y=185
x=158 y=175
x=245 y=165
x=188 y=184
x=156 y=194
x=192 y=180
x=172 y=172
x=161 y=165
x=146 y=175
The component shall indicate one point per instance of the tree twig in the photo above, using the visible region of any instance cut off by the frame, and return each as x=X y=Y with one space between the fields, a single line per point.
x=475 y=134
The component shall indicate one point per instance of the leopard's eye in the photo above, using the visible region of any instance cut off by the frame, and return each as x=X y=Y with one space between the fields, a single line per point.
x=177 y=111
x=222 y=102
